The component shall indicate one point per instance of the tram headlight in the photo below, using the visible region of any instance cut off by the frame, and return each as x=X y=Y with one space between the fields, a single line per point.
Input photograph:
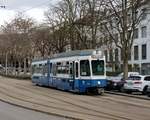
x=83 y=82
x=99 y=82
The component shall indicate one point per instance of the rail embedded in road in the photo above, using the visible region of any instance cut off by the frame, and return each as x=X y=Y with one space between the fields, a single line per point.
x=67 y=104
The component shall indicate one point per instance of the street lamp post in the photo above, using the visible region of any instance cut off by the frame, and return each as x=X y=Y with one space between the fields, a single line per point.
x=6 y=61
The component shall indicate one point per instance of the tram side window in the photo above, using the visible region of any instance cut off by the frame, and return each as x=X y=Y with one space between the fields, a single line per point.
x=39 y=69
x=45 y=69
x=33 y=69
x=54 y=70
x=50 y=68
x=65 y=69
x=59 y=69
x=84 y=68
x=62 y=68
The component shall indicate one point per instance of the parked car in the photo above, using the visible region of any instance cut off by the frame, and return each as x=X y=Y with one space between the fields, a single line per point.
x=137 y=83
x=117 y=82
x=1 y=68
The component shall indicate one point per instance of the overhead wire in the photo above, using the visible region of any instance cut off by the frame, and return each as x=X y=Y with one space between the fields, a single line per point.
x=24 y=11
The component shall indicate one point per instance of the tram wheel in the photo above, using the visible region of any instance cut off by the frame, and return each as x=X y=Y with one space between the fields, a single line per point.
x=144 y=92
x=100 y=91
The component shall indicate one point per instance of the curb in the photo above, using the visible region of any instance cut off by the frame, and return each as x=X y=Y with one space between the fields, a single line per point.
x=127 y=95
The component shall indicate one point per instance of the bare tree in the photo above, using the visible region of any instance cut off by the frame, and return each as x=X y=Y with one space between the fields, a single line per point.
x=82 y=18
x=17 y=35
x=41 y=41
x=58 y=28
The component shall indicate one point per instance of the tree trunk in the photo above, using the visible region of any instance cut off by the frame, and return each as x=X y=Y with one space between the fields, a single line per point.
x=72 y=38
x=19 y=68
x=6 y=63
x=25 y=67
x=113 y=67
x=125 y=66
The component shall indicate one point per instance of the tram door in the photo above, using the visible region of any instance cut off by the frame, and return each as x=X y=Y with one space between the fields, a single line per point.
x=76 y=71
x=71 y=80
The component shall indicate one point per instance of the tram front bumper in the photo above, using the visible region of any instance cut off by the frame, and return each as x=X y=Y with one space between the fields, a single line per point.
x=84 y=85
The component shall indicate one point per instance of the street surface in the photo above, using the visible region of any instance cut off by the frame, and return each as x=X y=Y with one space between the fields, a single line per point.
x=65 y=104
x=10 y=112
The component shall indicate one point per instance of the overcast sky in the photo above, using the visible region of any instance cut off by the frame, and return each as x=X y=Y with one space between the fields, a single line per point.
x=31 y=8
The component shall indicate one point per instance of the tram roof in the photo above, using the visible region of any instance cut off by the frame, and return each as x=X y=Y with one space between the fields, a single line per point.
x=75 y=53
x=70 y=54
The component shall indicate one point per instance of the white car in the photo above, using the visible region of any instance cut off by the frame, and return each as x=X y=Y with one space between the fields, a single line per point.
x=137 y=83
x=120 y=76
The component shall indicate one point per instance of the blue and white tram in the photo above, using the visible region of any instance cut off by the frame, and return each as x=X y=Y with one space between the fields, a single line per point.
x=77 y=71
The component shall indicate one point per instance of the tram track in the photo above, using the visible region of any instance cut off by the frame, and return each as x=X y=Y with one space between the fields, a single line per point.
x=62 y=109
x=73 y=111
x=110 y=117
x=83 y=107
x=101 y=99
x=37 y=110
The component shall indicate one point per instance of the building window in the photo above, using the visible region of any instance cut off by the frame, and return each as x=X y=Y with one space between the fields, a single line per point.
x=116 y=37
x=111 y=55
x=129 y=18
x=136 y=15
x=136 y=53
x=144 y=51
x=144 y=14
x=129 y=34
x=106 y=55
x=136 y=33
x=122 y=55
x=144 y=32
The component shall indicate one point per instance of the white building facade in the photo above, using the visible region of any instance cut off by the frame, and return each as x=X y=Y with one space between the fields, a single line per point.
x=140 y=54
x=139 y=59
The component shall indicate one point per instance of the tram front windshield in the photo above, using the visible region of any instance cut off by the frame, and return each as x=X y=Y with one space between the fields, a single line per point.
x=97 y=67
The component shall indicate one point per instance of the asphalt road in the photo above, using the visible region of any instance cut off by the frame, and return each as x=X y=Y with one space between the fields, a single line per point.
x=10 y=112
x=52 y=101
